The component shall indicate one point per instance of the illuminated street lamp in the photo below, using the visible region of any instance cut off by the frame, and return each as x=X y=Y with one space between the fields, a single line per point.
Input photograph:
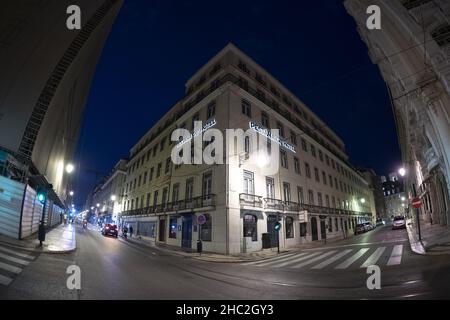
x=69 y=168
x=71 y=193
x=113 y=198
x=363 y=200
x=92 y=208
x=402 y=171
x=98 y=205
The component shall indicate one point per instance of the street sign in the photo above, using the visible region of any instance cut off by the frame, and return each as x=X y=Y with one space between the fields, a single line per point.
x=201 y=219
x=417 y=203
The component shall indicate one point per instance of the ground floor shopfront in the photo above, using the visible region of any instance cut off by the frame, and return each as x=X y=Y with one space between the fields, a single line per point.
x=234 y=231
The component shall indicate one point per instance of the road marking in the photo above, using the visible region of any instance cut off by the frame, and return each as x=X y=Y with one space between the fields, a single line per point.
x=283 y=257
x=10 y=268
x=373 y=257
x=5 y=280
x=356 y=244
x=352 y=259
x=23 y=255
x=396 y=255
x=332 y=259
x=298 y=259
x=16 y=260
x=326 y=254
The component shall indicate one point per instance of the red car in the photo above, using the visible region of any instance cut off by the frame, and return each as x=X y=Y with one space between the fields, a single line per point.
x=110 y=229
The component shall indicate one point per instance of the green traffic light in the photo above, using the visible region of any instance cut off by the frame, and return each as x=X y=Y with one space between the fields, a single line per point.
x=41 y=197
x=277 y=226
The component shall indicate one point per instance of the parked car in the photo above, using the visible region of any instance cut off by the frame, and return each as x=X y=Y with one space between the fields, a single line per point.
x=380 y=222
x=369 y=226
x=399 y=222
x=110 y=229
x=360 y=228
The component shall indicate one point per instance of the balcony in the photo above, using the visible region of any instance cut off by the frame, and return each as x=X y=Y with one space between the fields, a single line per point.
x=246 y=199
x=181 y=205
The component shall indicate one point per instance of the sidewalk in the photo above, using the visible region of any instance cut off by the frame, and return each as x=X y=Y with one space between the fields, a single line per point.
x=60 y=239
x=435 y=238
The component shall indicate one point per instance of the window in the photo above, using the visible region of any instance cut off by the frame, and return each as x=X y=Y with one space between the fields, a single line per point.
x=287 y=191
x=139 y=181
x=145 y=177
x=281 y=129
x=330 y=180
x=296 y=165
x=195 y=117
x=249 y=183
x=211 y=110
x=327 y=200
x=304 y=145
x=270 y=188
x=175 y=192
x=307 y=170
x=316 y=174
x=283 y=158
x=332 y=164
x=207 y=183
x=250 y=223
x=336 y=184
x=158 y=171
x=303 y=229
x=289 y=227
x=151 y=174
x=173 y=228
x=300 y=195
x=311 y=197
x=246 y=108
x=293 y=138
x=189 y=189
x=161 y=144
x=320 y=155
x=324 y=178
x=333 y=201
x=155 y=148
x=336 y=225
x=165 y=196
x=319 y=199
x=340 y=184
x=167 y=168
x=155 y=198
x=247 y=145
x=330 y=225
x=265 y=120
x=327 y=160
x=313 y=151
x=206 y=229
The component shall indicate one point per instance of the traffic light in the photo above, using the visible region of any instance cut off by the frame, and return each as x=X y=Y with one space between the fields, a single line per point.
x=277 y=226
x=41 y=196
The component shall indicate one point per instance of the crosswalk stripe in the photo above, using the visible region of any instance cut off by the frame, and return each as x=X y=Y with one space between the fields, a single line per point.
x=274 y=261
x=16 y=260
x=5 y=280
x=373 y=257
x=10 y=268
x=352 y=259
x=23 y=255
x=298 y=259
x=396 y=255
x=332 y=259
x=271 y=259
x=326 y=254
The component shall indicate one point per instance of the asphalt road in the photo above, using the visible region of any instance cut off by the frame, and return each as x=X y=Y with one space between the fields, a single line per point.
x=116 y=269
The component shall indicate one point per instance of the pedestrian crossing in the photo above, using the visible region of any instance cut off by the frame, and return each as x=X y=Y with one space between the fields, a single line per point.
x=12 y=262
x=339 y=259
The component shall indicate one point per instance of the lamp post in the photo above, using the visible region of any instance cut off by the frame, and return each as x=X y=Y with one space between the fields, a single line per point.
x=402 y=172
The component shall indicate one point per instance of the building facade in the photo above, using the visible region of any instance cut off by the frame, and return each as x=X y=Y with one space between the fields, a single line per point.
x=46 y=75
x=314 y=193
x=412 y=50
x=377 y=187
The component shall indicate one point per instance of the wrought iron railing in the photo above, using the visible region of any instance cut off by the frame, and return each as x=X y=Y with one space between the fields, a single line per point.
x=250 y=200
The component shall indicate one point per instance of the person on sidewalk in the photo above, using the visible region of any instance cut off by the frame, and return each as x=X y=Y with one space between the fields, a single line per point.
x=131 y=231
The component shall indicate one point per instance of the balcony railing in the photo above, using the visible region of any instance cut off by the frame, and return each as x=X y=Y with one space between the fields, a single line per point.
x=186 y=204
x=274 y=204
x=250 y=200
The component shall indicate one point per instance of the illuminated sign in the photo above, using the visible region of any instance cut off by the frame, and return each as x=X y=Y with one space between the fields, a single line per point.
x=207 y=126
x=268 y=134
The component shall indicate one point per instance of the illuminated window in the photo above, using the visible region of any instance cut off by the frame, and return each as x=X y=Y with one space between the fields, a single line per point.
x=173 y=228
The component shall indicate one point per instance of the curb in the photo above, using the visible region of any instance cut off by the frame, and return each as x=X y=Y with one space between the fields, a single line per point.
x=416 y=246
x=241 y=260
x=29 y=249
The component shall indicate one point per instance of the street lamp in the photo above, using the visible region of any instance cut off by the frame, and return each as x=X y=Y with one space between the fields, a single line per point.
x=113 y=198
x=92 y=208
x=71 y=193
x=402 y=171
x=98 y=205
x=69 y=168
x=363 y=200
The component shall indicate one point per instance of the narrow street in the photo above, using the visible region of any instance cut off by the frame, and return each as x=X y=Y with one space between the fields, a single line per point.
x=117 y=269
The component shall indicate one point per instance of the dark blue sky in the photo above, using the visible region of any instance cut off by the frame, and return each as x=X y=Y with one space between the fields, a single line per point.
x=312 y=47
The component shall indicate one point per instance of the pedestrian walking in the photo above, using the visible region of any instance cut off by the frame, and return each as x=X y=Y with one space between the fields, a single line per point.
x=131 y=231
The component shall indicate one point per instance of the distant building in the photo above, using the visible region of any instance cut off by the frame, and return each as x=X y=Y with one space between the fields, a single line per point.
x=413 y=54
x=375 y=183
x=46 y=72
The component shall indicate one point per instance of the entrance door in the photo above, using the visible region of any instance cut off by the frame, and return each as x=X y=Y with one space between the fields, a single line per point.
x=186 y=240
x=314 y=229
x=162 y=230
x=323 y=230
x=271 y=220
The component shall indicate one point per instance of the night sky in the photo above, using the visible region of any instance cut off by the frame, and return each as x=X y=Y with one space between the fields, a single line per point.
x=312 y=47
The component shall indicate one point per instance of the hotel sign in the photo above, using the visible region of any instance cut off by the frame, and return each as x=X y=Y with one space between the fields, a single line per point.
x=268 y=134
x=207 y=126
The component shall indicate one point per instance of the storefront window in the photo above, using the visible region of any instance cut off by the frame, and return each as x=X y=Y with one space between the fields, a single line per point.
x=250 y=230
x=289 y=227
x=173 y=228
x=206 y=229
x=303 y=229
